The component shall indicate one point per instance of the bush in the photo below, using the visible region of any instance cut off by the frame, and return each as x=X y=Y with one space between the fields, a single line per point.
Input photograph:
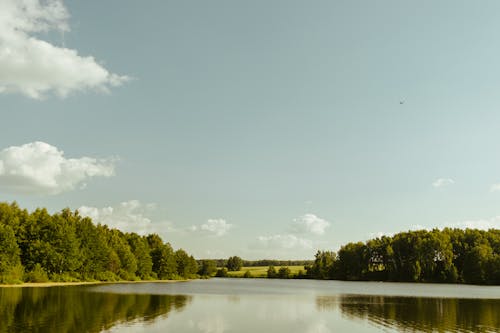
x=284 y=273
x=247 y=274
x=107 y=276
x=301 y=275
x=38 y=274
x=13 y=275
x=63 y=277
x=124 y=275
x=271 y=272
x=221 y=272
x=234 y=263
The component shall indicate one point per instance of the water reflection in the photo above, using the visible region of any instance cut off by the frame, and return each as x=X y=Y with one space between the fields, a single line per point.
x=222 y=306
x=417 y=313
x=74 y=309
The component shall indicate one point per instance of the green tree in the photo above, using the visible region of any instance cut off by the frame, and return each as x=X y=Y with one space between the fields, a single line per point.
x=186 y=264
x=140 y=249
x=63 y=240
x=127 y=264
x=406 y=256
x=162 y=255
x=323 y=265
x=97 y=257
x=221 y=272
x=353 y=261
x=10 y=261
x=284 y=272
x=207 y=267
x=234 y=263
x=271 y=272
x=436 y=257
x=476 y=264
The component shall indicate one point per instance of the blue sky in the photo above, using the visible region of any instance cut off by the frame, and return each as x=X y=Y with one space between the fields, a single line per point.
x=259 y=128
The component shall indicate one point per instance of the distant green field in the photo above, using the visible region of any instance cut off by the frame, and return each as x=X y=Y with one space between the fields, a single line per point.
x=261 y=271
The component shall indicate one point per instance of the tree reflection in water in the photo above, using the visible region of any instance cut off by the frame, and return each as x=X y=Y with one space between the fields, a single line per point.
x=74 y=309
x=418 y=313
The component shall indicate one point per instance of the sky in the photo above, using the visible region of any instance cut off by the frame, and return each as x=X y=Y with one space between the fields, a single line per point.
x=263 y=129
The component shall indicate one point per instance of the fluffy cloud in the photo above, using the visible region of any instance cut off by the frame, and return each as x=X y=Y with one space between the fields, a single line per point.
x=285 y=241
x=128 y=216
x=310 y=223
x=307 y=224
x=35 y=67
x=483 y=224
x=215 y=227
x=442 y=182
x=495 y=188
x=39 y=168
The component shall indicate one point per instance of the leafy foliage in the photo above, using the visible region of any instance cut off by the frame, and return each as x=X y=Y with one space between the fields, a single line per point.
x=271 y=272
x=221 y=272
x=234 y=263
x=448 y=255
x=207 y=267
x=38 y=247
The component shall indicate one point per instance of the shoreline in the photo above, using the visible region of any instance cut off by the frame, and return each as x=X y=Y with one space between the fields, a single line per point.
x=82 y=283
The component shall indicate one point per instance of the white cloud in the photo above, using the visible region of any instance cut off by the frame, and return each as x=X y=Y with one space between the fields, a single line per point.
x=33 y=67
x=380 y=234
x=413 y=227
x=39 y=168
x=483 y=224
x=285 y=241
x=442 y=182
x=307 y=224
x=495 y=188
x=128 y=216
x=214 y=227
x=310 y=223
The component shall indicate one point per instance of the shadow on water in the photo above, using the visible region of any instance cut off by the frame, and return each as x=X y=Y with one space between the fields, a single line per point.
x=75 y=309
x=418 y=314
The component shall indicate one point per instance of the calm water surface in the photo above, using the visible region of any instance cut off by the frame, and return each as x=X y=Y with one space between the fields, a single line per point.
x=250 y=305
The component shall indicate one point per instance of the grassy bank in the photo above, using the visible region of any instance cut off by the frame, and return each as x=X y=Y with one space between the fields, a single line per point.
x=261 y=271
x=62 y=284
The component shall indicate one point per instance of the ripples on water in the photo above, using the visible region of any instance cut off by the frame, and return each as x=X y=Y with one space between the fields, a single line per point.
x=248 y=305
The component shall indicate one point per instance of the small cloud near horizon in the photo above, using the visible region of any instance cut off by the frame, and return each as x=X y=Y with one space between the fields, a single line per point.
x=495 y=188
x=284 y=241
x=310 y=223
x=442 y=182
x=127 y=216
x=213 y=227
x=483 y=224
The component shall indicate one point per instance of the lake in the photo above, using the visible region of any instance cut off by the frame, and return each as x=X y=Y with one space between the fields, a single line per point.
x=251 y=305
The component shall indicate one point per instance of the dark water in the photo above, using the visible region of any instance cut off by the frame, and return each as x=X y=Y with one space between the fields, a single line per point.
x=252 y=305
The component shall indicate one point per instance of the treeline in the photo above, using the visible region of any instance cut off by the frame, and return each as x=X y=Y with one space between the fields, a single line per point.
x=38 y=247
x=448 y=255
x=271 y=262
x=263 y=262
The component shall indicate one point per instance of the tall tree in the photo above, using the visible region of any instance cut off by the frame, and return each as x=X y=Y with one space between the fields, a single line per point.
x=186 y=265
x=140 y=249
x=10 y=261
x=234 y=263
x=162 y=255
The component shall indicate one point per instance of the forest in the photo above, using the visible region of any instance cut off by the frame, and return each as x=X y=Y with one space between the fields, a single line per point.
x=450 y=255
x=66 y=247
